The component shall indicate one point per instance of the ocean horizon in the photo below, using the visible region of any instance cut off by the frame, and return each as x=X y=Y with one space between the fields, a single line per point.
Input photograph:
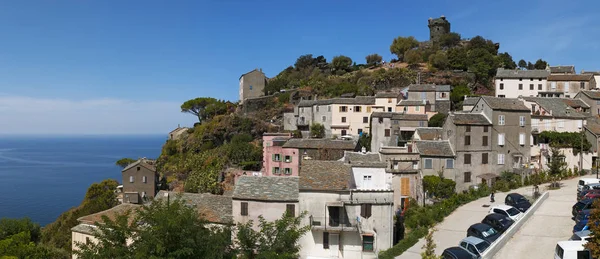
x=43 y=176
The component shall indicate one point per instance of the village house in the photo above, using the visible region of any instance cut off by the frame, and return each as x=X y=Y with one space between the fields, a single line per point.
x=562 y=70
x=591 y=98
x=512 y=83
x=403 y=166
x=592 y=133
x=426 y=99
x=252 y=85
x=393 y=128
x=469 y=102
x=436 y=158
x=345 y=222
x=595 y=73
x=569 y=84
x=387 y=100
x=140 y=181
x=318 y=149
x=277 y=160
x=177 y=133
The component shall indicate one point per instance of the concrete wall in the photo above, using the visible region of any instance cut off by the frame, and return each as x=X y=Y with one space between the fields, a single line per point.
x=271 y=211
x=379 y=179
x=389 y=103
x=414 y=184
x=438 y=164
x=77 y=237
x=289 y=121
x=511 y=87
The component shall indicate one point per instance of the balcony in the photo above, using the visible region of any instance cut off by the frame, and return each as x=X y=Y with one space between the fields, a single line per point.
x=302 y=122
x=341 y=224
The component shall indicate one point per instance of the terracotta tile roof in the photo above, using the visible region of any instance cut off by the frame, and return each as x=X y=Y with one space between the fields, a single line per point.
x=470 y=119
x=429 y=88
x=584 y=77
x=400 y=116
x=320 y=144
x=213 y=208
x=110 y=213
x=266 y=188
x=431 y=148
x=505 y=104
x=149 y=164
x=562 y=69
x=591 y=94
x=516 y=73
x=429 y=133
x=324 y=175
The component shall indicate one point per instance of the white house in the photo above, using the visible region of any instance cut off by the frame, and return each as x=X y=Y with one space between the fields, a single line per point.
x=514 y=83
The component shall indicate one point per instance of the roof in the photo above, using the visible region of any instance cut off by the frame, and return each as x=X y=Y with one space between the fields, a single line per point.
x=516 y=73
x=470 y=101
x=213 y=208
x=505 y=104
x=84 y=228
x=266 y=188
x=257 y=70
x=110 y=213
x=429 y=133
x=324 y=175
x=387 y=95
x=428 y=88
x=359 y=157
x=596 y=73
x=413 y=102
x=584 y=77
x=178 y=129
x=575 y=103
x=435 y=148
x=320 y=144
x=364 y=100
x=400 y=116
x=497 y=216
x=470 y=119
x=558 y=107
x=593 y=127
x=148 y=164
x=591 y=94
x=562 y=69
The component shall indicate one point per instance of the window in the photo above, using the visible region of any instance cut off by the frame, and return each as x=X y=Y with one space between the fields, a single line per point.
x=449 y=163
x=467 y=140
x=368 y=108
x=365 y=119
x=389 y=100
x=244 y=209
x=343 y=132
x=484 y=141
x=395 y=122
x=144 y=179
x=365 y=210
x=276 y=170
x=500 y=119
x=467 y=177
x=484 y=158
x=561 y=124
x=387 y=132
x=288 y=159
x=328 y=108
x=87 y=240
x=530 y=86
x=287 y=171
x=343 y=119
x=485 y=128
x=422 y=123
x=325 y=240
x=131 y=179
x=553 y=86
x=360 y=131
x=585 y=254
x=389 y=109
x=417 y=108
x=317 y=107
x=250 y=87
x=520 y=79
x=582 y=85
x=500 y=139
x=468 y=129
x=567 y=86
x=423 y=96
x=520 y=86
x=368 y=243
x=343 y=108
x=501 y=95
x=530 y=79
x=428 y=163
x=522 y=121
x=276 y=157
x=324 y=118
x=522 y=139
x=539 y=86
x=357 y=108
x=501 y=86
x=290 y=210
x=467 y=159
x=500 y=159
x=579 y=124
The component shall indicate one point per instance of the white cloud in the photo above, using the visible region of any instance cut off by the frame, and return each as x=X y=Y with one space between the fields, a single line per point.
x=28 y=115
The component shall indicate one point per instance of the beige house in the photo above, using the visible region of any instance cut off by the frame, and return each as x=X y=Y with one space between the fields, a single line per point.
x=252 y=84
x=393 y=128
x=387 y=100
x=591 y=98
x=403 y=166
x=569 y=84
x=436 y=98
x=177 y=133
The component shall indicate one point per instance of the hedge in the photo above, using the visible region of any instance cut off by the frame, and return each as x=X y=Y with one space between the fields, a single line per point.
x=409 y=240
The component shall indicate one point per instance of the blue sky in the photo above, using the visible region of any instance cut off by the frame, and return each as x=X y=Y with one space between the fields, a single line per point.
x=124 y=67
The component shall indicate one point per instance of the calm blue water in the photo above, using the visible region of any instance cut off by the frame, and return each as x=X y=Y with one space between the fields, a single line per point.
x=41 y=177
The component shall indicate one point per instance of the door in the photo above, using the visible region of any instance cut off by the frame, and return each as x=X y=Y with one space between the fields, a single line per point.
x=334 y=245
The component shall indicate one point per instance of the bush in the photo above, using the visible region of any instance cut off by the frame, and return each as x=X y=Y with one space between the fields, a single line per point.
x=409 y=240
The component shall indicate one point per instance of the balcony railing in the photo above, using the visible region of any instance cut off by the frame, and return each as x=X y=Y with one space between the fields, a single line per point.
x=333 y=224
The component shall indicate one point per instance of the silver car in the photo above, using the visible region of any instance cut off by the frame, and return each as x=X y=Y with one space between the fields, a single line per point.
x=474 y=245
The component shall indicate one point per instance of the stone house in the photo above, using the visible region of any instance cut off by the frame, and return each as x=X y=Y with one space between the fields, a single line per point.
x=511 y=83
x=510 y=130
x=403 y=166
x=570 y=85
x=562 y=70
x=393 y=128
x=469 y=102
x=140 y=181
x=278 y=161
x=345 y=222
x=436 y=157
x=438 y=27
x=318 y=149
x=252 y=84
x=435 y=98
x=591 y=98
x=470 y=134
x=595 y=73
x=177 y=133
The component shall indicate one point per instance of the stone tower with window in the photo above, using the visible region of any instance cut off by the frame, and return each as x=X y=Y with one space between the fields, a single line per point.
x=438 y=27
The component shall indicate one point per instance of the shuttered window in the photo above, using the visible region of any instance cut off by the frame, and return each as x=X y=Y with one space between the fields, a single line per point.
x=365 y=210
x=405 y=186
x=244 y=209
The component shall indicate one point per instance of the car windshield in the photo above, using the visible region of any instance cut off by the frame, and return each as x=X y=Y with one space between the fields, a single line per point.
x=579 y=205
x=489 y=232
x=581 y=182
x=575 y=237
x=522 y=200
x=482 y=246
x=512 y=211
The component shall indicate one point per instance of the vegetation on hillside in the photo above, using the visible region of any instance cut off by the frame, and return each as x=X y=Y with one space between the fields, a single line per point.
x=19 y=238
x=124 y=162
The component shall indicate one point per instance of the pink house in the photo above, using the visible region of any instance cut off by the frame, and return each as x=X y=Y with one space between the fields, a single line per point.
x=279 y=161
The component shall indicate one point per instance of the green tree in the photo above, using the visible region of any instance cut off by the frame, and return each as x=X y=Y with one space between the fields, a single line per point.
x=413 y=57
x=449 y=39
x=341 y=63
x=365 y=141
x=124 y=162
x=505 y=60
x=429 y=246
x=112 y=235
x=482 y=64
x=304 y=61
x=439 y=187
x=458 y=95
x=317 y=130
x=593 y=243
x=401 y=44
x=439 y=60
x=557 y=164
x=205 y=107
x=540 y=64
x=479 y=42
x=373 y=59
x=437 y=120
x=458 y=58
x=522 y=64
x=278 y=239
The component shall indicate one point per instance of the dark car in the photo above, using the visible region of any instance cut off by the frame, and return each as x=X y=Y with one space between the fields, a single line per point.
x=582 y=194
x=498 y=221
x=584 y=215
x=582 y=205
x=518 y=201
x=581 y=226
x=483 y=231
x=456 y=252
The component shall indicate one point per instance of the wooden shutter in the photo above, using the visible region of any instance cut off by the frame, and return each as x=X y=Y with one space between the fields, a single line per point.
x=405 y=186
x=291 y=210
x=244 y=209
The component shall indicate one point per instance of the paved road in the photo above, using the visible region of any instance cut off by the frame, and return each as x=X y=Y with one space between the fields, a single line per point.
x=454 y=227
x=549 y=224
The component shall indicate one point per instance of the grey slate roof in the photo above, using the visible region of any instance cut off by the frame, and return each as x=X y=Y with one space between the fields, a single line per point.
x=470 y=119
x=512 y=74
x=558 y=107
x=320 y=143
x=429 y=133
x=575 y=103
x=436 y=148
x=429 y=88
x=359 y=100
x=359 y=157
x=213 y=208
x=324 y=175
x=412 y=103
x=257 y=70
x=400 y=116
x=110 y=213
x=266 y=188
x=470 y=101
x=505 y=104
x=584 y=77
x=596 y=73
x=562 y=69
x=84 y=228
x=149 y=164
x=387 y=95
x=591 y=94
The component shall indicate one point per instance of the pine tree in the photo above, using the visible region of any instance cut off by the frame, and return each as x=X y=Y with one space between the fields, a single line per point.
x=429 y=247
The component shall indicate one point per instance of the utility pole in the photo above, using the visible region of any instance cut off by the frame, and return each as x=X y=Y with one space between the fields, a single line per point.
x=581 y=150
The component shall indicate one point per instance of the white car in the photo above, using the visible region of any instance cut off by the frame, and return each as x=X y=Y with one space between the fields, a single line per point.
x=508 y=211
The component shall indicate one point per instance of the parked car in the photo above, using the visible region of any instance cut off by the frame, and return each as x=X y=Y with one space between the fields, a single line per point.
x=582 y=205
x=456 y=252
x=585 y=181
x=591 y=195
x=499 y=222
x=581 y=226
x=474 y=245
x=518 y=201
x=583 y=215
x=586 y=192
x=508 y=211
x=571 y=250
x=581 y=235
x=483 y=231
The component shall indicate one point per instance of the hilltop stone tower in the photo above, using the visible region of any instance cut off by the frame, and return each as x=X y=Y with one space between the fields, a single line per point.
x=438 y=27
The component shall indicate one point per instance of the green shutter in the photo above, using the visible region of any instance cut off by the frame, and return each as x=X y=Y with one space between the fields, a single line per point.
x=273 y=170
x=273 y=156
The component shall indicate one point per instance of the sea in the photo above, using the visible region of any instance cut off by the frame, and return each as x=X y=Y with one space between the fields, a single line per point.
x=43 y=176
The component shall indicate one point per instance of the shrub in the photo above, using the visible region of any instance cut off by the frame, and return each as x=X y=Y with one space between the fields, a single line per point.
x=409 y=240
